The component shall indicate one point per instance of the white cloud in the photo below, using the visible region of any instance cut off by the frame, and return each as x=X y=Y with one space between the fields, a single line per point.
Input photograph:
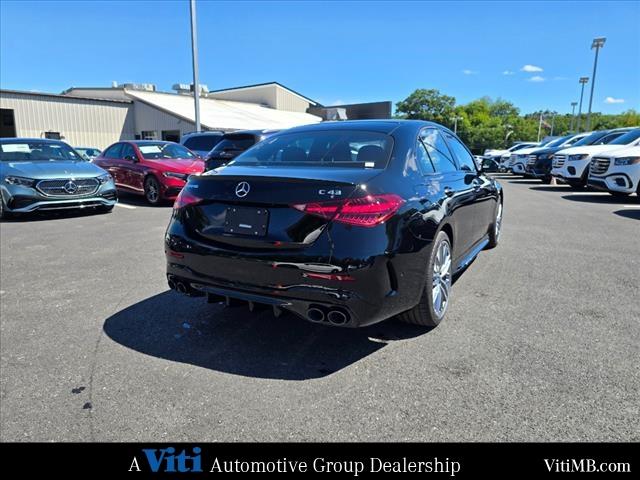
x=466 y=71
x=537 y=79
x=613 y=100
x=531 y=68
x=508 y=72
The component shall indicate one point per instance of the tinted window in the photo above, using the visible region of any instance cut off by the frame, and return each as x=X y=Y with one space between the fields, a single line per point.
x=127 y=150
x=608 y=138
x=164 y=151
x=329 y=148
x=235 y=143
x=34 y=151
x=202 y=142
x=557 y=142
x=438 y=151
x=590 y=139
x=465 y=159
x=423 y=160
x=627 y=138
x=113 y=151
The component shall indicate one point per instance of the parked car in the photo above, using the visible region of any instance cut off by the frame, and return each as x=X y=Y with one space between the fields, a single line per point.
x=617 y=171
x=41 y=174
x=233 y=144
x=158 y=170
x=89 y=153
x=496 y=154
x=201 y=143
x=342 y=223
x=518 y=160
x=504 y=158
x=571 y=165
x=538 y=164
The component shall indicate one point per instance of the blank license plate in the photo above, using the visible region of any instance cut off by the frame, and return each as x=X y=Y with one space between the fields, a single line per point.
x=246 y=221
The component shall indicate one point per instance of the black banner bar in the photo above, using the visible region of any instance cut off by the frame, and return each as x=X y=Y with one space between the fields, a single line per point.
x=454 y=460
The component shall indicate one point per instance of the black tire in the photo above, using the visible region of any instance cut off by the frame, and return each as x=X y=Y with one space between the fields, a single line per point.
x=152 y=190
x=546 y=180
x=496 y=228
x=3 y=210
x=423 y=313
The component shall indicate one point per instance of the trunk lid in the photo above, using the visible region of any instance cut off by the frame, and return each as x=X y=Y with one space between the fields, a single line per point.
x=251 y=207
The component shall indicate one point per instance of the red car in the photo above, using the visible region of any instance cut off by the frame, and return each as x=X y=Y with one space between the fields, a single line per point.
x=158 y=170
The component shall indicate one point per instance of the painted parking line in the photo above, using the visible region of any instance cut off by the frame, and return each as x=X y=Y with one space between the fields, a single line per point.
x=630 y=206
x=123 y=205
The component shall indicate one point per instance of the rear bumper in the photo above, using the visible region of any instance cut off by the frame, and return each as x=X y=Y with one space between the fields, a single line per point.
x=291 y=290
x=365 y=289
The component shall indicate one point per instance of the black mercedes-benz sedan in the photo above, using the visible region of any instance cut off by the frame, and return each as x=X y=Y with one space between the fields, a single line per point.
x=343 y=223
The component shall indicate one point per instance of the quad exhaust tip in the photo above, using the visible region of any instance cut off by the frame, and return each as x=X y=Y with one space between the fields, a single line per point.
x=336 y=317
x=315 y=315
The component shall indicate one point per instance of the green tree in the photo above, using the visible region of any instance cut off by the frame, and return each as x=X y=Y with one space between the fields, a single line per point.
x=486 y=123
x=427 y=105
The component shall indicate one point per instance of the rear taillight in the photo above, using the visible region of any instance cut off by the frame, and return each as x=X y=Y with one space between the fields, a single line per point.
x=185 y=198
x=366 y=211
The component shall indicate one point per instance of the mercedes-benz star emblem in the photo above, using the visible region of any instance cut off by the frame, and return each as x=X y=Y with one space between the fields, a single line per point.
x=70 y=187
x=242 y=189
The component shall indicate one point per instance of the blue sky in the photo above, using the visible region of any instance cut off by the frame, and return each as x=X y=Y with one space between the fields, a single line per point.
x=334 y=52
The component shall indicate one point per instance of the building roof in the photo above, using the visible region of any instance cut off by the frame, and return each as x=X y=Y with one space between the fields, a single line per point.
x=219 y=114
x=62 y=95
x=266 y=84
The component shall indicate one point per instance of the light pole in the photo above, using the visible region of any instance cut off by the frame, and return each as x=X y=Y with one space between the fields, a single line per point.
x=194 y=54
x=598 y=43
x=455 y=124
x=573 y=115
x=582 y=80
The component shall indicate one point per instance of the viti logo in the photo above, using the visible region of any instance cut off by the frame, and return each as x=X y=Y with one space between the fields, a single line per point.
x=166 y=460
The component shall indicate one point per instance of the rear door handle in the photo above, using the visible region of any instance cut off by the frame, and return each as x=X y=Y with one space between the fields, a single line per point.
x=448 y=192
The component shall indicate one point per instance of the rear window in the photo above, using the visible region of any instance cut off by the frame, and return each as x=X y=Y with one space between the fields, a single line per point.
x=202 y=142
x=235 y=143
x=335 y=148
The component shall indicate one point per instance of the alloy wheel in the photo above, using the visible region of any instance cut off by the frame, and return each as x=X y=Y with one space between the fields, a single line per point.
x=441 y=279
x=152 y=191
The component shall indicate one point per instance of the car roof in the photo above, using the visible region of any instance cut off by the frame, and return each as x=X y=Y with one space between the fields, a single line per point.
x=144 y=141
x=215 y=133
x=26 y=139
x=381 y=126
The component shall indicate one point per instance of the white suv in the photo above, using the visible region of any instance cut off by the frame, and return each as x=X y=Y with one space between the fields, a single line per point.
x=618 y=171
x=518 y=161
x=571 y=165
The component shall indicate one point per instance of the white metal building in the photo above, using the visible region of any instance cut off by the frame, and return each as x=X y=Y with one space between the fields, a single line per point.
x=97 y=117
x=79 y=121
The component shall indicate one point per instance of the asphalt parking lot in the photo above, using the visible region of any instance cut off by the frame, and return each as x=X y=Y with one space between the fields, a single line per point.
x=541 y=342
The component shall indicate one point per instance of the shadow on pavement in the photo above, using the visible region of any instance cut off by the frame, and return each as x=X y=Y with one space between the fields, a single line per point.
x=604 y=199
x=526 y=182
x=139 y=201
x=233 y=340
x=630 y=213
x=52 y=215
x=552 y=188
